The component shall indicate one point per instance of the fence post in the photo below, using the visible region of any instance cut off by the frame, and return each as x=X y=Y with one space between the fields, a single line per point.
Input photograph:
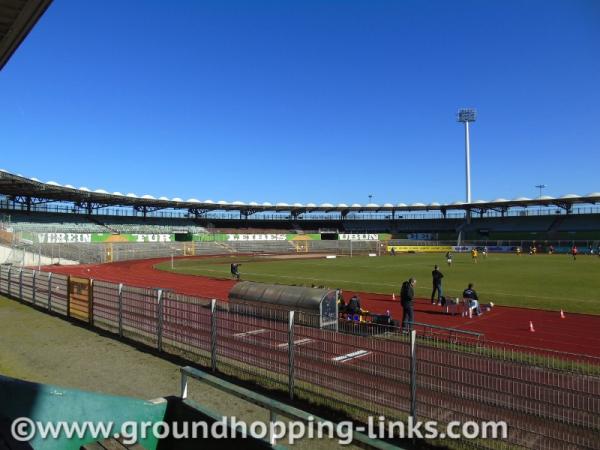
x=9 y=280
x=33 y=287
x=21 y=285
x=91 y=302
x=413 y=375
x=68 y=296
x=213 y=335
x=291 y=354
x=50 y=291
x=159 y=322
x=120 y=310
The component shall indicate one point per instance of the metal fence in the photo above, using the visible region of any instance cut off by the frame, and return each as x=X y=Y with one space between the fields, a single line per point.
x=548 y=400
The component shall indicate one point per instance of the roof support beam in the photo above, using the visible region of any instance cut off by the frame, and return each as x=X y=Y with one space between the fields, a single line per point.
x=146 y=209
x=567 y=206
x=90 y=206
x=247 y=212
x=197 y=213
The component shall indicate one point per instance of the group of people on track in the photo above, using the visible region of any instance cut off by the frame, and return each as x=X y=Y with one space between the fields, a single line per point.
x=407 y=291
x=407 y=295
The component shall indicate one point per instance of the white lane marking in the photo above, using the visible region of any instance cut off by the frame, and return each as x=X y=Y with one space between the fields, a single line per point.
x=248 y=333
x=298 y=342
x=349 y=356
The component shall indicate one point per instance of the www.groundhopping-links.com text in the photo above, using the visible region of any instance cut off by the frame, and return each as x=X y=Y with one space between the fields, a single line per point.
x=25 y=429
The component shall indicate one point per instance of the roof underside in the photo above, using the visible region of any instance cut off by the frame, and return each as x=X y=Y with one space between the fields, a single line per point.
x=17 y=18
x=19 y=187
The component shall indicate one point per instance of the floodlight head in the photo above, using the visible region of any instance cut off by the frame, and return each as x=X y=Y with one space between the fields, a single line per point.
x=466 y=115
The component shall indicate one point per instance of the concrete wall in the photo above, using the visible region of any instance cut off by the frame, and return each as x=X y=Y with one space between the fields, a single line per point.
x=20 y=257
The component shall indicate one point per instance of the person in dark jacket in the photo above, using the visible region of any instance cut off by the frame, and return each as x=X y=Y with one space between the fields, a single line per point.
x=235 y=271
x=407 y=294
x=470 y=294
x=436 y=276
x=341 y=302
x=353 y=306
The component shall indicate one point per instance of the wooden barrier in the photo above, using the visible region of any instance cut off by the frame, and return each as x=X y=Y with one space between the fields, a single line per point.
x=80 y=298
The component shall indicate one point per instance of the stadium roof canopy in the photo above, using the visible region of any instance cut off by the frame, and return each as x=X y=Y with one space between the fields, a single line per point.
x=31 y=191
x=17 y=18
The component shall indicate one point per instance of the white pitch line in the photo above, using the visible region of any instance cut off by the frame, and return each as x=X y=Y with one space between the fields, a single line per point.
x=349 y=356
x=298 y=342
x=248 y=333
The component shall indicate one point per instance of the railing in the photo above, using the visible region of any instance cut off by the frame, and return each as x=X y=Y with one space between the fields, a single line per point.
x=549 y=400
x=275 y=408
x=271 y=216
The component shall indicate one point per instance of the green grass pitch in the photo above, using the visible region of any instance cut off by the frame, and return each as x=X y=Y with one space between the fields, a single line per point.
x=535 y=281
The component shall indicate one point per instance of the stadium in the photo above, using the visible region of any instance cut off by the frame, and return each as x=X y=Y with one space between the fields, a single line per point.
x=156 y=274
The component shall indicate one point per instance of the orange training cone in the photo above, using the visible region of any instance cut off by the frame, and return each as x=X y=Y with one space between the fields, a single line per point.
x=531 y=327
x=562 y=314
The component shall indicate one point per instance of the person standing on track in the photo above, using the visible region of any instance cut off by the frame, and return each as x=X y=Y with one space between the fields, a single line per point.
x=407 y=294
x=235 y=271
x=436 y=276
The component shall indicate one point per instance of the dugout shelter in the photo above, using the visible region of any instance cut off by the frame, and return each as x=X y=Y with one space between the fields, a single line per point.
x=313 y=307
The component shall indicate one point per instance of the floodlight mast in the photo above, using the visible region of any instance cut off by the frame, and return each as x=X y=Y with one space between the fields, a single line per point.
x=540 y=187
x=465 y=116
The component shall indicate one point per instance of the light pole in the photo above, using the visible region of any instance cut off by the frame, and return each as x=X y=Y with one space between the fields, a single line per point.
x=540 y=187
x=370 y=198
x=466 y=116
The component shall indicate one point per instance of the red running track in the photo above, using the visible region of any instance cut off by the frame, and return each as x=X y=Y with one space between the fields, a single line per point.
x=577 y=333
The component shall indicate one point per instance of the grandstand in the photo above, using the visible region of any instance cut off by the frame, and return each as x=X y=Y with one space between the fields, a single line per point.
x=65 y=224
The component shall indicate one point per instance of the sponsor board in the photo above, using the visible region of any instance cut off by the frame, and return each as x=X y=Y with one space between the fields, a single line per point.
x=462 y=248
x=304 y=237
x=420 y=236
x=491 y=248
x=153 y=237
x=257 y=237
x=63 y=238
x=358 y=237
x=219 y=237
x=502 y=248
x=419 y=248
x=84 y=238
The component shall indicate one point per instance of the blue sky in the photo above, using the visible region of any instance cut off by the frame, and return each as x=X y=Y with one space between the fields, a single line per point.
x=299 y=101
